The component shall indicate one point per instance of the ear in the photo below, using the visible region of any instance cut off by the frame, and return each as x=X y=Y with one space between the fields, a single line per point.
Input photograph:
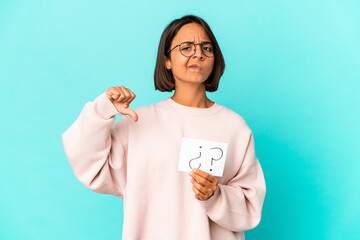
x=167 y=63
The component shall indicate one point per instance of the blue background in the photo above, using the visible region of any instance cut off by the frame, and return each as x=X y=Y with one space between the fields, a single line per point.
x=292 y=71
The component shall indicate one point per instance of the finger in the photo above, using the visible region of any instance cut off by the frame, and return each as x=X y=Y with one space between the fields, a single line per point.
x=132 y=97
x=205 y=175
x=203 y=181
x=127 y=103
x=198 y=193
x=126 y=93
x=121 y=95
x=207 y=191
x=199 y=187
x=131 y=113
x=110 y=92
x=115 y=94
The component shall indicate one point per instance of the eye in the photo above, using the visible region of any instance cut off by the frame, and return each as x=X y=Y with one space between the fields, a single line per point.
x=208 y=47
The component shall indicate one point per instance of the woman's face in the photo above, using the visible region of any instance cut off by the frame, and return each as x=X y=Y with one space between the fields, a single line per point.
x=180 y=65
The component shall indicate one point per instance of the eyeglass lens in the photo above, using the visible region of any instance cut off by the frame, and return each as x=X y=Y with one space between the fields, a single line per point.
x=188 y=49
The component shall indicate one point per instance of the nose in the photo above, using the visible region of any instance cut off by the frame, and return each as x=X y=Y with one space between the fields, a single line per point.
x=198 y=52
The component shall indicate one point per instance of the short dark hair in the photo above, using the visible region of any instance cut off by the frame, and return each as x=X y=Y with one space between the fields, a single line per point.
x=163 y=77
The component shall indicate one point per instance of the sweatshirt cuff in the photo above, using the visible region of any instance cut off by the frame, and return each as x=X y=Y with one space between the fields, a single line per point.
x=105 y=108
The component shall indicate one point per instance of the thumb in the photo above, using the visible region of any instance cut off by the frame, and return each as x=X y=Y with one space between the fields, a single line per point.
x=131 y=113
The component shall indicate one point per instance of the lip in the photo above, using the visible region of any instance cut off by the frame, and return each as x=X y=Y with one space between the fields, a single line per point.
x=194 y=67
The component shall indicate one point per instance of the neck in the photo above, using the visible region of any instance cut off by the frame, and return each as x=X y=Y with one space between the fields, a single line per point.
x=191 y=95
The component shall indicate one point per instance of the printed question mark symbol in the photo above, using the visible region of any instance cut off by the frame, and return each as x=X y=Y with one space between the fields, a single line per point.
x=193 y=159
x=214 y=159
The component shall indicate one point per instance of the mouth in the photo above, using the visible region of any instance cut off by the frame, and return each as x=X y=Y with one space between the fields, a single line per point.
x=195 y=67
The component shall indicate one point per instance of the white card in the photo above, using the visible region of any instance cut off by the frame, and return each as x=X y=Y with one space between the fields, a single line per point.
x=207 y=156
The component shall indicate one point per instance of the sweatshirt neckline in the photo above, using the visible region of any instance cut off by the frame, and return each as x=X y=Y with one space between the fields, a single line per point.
x=192 y=110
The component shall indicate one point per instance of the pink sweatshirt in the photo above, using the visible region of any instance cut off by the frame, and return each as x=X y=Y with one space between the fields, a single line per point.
x=138 y=162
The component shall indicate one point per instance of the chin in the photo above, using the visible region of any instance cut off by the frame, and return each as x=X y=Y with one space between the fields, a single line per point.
x=196 y=80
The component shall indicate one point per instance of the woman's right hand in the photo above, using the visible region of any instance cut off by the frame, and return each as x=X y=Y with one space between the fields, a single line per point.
x=121 y=97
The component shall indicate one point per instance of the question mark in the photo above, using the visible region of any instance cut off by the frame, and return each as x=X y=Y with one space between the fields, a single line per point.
x=212 y=159
x=193 y=159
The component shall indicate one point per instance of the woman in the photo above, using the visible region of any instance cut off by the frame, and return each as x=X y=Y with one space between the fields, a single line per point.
x=138 y=158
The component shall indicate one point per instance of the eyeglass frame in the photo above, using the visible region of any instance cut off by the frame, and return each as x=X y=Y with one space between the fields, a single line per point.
x=201 y=45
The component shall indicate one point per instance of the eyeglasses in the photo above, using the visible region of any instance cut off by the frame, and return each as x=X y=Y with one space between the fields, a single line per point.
x=188 y=49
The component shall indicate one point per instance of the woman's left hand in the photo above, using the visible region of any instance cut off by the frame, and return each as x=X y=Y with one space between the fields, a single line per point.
x=204 y=184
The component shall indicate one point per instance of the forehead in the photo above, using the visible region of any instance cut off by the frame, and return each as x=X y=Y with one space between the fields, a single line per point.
x=192 y=32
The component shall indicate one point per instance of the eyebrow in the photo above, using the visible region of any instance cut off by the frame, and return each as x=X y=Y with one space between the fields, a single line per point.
x=200 y=42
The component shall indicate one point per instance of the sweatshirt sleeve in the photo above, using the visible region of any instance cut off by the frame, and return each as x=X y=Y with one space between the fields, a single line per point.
x=97 y=148
x=237 y=205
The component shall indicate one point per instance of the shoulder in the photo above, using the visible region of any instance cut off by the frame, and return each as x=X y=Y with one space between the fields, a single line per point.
x=148 y=113
x=234 y=119
x=147 y=109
